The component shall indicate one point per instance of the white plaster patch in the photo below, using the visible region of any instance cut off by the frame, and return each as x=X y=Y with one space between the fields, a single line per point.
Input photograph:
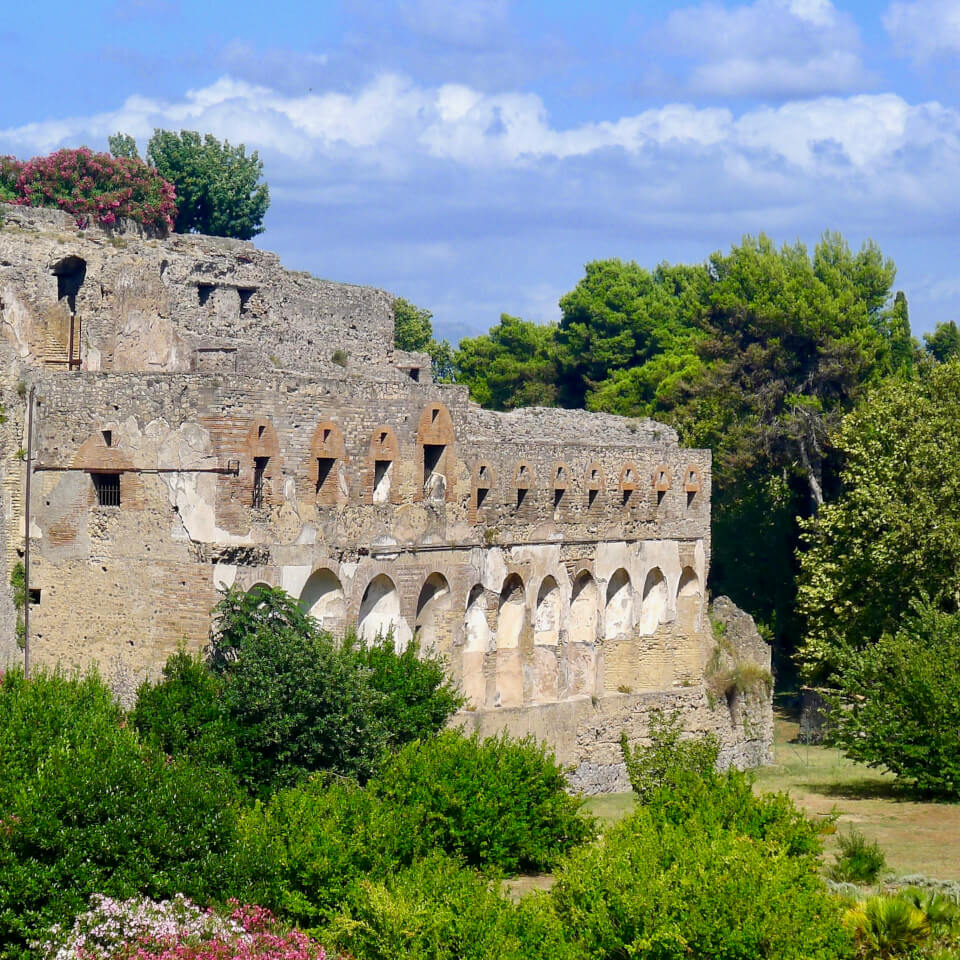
x=224 y=575
x=293 y=578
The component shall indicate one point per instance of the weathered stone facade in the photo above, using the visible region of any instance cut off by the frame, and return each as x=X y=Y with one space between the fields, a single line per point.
x=204 y=418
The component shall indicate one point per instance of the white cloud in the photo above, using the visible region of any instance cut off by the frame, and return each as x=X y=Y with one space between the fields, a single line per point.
x=465 y=22
x=393 y=121
x=769 y=48
x=924 y=28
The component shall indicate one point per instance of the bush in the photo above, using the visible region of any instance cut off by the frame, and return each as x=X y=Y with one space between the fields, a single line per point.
x=185 y=714
x=696 y=890
x=418 y=699
x=92 y=187
x=899 y=703
x=85 y=808
x=300 y=852
x=859 y=860
x=497 y=801
x=437 y=910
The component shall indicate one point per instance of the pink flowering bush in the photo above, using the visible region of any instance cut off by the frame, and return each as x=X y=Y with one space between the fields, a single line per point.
x=92 y=187
x=177 y=929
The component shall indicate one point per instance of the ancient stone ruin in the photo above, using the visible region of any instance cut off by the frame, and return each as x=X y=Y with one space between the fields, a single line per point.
x=203 y=417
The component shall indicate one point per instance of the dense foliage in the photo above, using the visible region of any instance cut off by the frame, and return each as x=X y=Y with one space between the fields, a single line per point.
x=898 y=704
x=218 y=185
x=92 y=187
x=85 y=808
x=277 y=698
x=892 y=537
x=496 y=801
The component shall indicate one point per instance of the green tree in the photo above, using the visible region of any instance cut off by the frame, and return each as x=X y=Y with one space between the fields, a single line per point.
x=944 y=343
x=898 y=705
x=413 y=331
x=893 y=536
x=218 y=185
x=514 y=365
x=902 y=344
x=124 y=146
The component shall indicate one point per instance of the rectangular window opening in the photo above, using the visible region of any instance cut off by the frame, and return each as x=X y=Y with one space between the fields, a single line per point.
x=107 y=486
x=691 y=494
x=381 y=480
x=627 y=497
x=414 y=374
x=259 y=470
x=107 y=437
x=204 y=292
x=557 y=498
x=325 y=471
x=482 y=496
x=660 y=495
x=432 y=454
x=592 y=497
x=246 y=293
x=34 y=596
x=521 y=496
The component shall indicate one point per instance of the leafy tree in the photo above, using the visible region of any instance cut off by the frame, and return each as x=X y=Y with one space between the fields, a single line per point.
x=123 y=145
x=218 y=185
x=514 y=365
x=944 y=343
x=413 y=331
x=894 y=534
x=898 y=705
x=902 y=344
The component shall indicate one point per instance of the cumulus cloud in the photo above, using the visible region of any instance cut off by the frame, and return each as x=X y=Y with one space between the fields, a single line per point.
x=769 y=48
x=924 y=28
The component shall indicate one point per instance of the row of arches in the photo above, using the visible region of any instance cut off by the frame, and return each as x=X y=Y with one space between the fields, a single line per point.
x=524 y=643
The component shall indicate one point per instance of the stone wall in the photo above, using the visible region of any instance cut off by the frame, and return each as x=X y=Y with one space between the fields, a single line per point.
x=122 y=301
x=557 y=559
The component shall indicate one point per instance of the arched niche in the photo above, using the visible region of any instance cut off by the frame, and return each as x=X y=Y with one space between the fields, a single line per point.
x=546 y=629
x=384 y=454
x=689 y=599
x=653 y=605
x=511 y=619
x=262 y=462
x=524 y=482
x=582 y=635
x=484 y=482
x=322 y=597
x=594 y=484
x=433 y=625
x=618 y=612
x=662 y=482
x=380 y=613
x=326 y=470
x=692 y=484
x=583 y=610
x=511 y=613
x=435 y=454
x=560 y=478
x=477 y=644
x=629 y=484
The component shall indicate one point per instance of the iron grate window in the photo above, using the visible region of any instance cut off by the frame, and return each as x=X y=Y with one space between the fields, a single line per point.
x=107 y=486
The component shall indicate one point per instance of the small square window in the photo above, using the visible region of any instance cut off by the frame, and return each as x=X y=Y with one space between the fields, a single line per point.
x=107 y=486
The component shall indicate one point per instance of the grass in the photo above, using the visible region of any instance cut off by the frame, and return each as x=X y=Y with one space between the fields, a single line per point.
x=917 y=837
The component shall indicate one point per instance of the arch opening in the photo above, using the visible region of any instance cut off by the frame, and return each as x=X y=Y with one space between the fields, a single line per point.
x=477 y=639
x=380 y=613
x=653 y=606
x=433 y=613
x=546 y=630
x=619 y=605
x=322 y=597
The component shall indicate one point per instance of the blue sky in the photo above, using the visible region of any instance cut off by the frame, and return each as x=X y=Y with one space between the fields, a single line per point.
x=473 y=155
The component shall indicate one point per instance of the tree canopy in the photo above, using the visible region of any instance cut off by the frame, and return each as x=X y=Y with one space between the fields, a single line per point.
x=218 y=185
x=413 y=331
x=893 y=536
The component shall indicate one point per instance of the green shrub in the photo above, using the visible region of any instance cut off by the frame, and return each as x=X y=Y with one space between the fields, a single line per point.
x=300 y=852
x=497 y=801
x=899 y=703
x=696 y=890
x=859 y=860
x=418 y=699
x=438 y=910
x=297 y=699
x=86 y=808
x=888 y=926
x=185 y=714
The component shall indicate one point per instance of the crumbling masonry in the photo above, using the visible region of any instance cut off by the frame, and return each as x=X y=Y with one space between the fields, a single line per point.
x=203 y=417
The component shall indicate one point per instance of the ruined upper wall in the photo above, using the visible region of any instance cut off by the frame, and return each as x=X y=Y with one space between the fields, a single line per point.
x=124 y=301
